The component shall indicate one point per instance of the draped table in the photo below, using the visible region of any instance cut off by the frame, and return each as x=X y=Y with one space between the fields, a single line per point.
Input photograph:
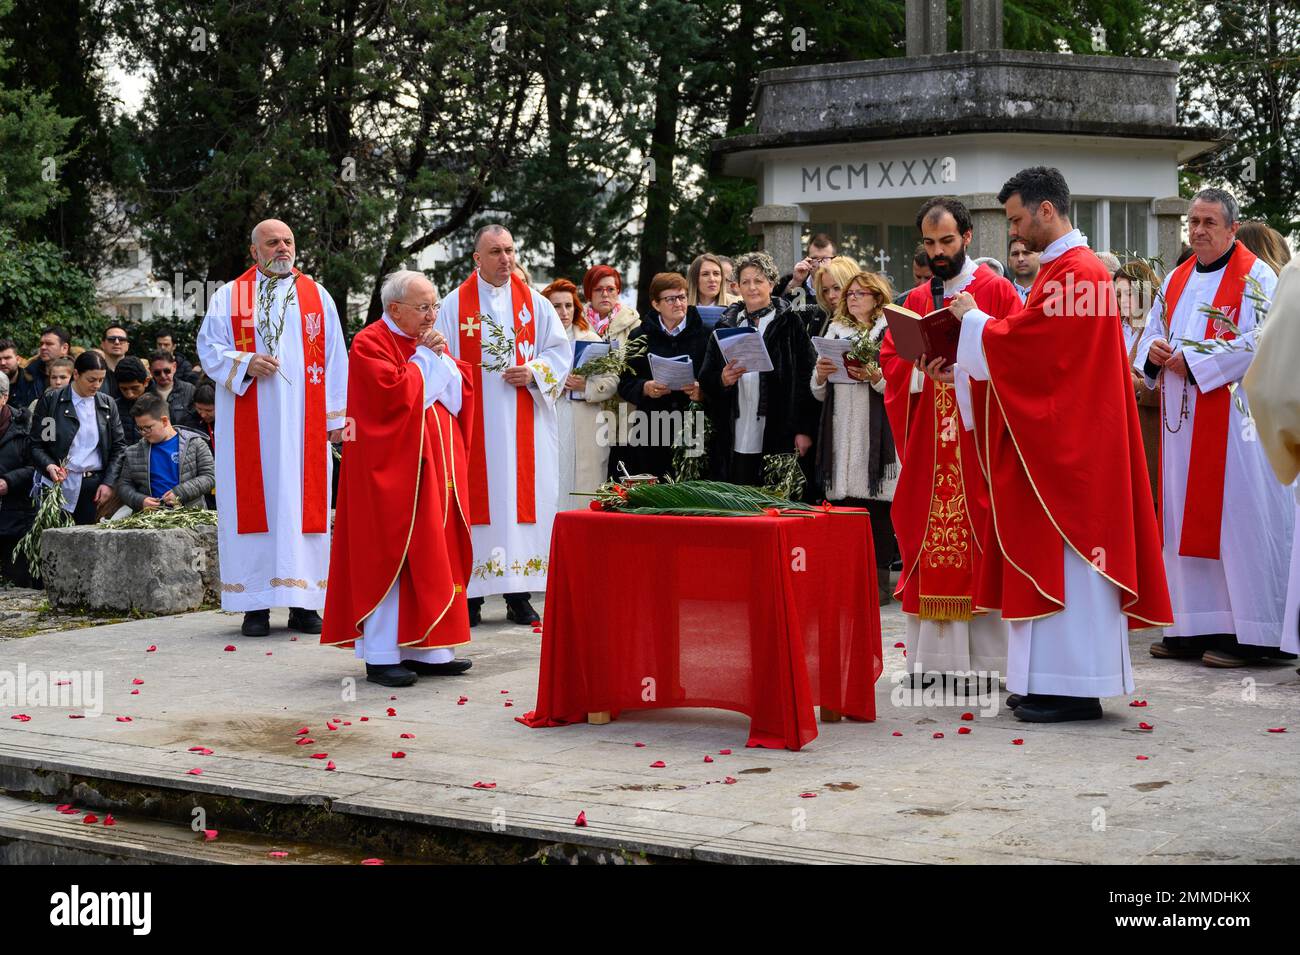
x=769 y=616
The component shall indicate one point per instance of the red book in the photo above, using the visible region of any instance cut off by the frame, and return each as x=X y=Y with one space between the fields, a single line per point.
x=934 y=335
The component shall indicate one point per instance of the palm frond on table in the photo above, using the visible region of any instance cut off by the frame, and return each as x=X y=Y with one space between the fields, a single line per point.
x=694 y=499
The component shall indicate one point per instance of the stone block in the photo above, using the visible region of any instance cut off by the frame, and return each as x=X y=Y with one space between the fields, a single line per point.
x=152 y=571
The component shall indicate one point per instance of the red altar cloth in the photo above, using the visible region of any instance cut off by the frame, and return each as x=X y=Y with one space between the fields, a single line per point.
x=767 y=616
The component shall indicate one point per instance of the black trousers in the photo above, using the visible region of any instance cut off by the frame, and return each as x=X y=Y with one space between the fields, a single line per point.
x=510 y=598
x=85 y=511
x=882 y=527
x=14 y=570
x=747 y=469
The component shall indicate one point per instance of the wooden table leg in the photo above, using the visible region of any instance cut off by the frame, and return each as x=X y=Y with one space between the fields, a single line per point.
x=829 y=715
x=598 y=719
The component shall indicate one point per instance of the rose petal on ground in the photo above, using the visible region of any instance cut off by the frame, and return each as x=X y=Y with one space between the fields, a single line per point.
x=1138 y=703
x=900 y=645
x=230 y=648
x=200 y=749
x=305 y=731
x=482 y=785
x=304 y=741
x=1277 y=729
x=968 y=716
x=1144 y=757
x=320 y=755
x=638 y=745
x=1017 y=742
x=724 y=752
x=807 y=795
x=210 y=834
x=938 y=736
x=1145 y=726
x=963 y=731
x=729 y=780
x=658 y=764
x=21 y=718
x=330 y=767
x=897 y=733
x=63 y=807
x=125 y=719
x=398 y=754
x=151 y=649
x=372 y=861
x=365 y=719
x=462 y=701
x=278 y=854
x=581 y=821
x=109 y=820
x=708 y=759
x=392 y=712
x=408 y=736
x=90 y=819
x=76 y=716
x=194 y=772
x=137 y=682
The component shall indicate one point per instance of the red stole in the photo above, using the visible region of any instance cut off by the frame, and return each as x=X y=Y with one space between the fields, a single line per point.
x=1203 y=500
x=250 y=491
x=471 y=335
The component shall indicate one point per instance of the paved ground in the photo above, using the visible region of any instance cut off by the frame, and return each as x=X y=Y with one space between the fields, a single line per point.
x=1217 y=786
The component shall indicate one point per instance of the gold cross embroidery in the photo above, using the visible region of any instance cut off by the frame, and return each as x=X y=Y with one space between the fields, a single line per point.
x=245 y=340
x=469 y=325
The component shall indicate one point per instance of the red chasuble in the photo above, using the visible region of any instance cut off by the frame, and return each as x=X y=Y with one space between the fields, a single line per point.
x=940 y=508
x=403 y=508
x=1059 y=439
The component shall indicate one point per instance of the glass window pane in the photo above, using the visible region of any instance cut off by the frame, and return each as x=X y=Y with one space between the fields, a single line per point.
x=1083 y=215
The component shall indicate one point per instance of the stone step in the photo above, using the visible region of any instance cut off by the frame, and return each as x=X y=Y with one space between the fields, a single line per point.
x=34 y=833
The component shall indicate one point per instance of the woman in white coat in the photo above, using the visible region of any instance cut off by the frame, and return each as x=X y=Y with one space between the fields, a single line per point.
x=583 y=458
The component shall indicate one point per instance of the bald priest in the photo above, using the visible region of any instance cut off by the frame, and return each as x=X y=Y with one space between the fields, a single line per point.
x=402 y=548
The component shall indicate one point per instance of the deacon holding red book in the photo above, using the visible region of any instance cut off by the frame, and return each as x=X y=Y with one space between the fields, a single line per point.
x=1077 y=558
x=402 y=548
x=940 y=508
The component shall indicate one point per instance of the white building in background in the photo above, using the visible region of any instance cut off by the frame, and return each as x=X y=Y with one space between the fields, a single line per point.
x=128 y=290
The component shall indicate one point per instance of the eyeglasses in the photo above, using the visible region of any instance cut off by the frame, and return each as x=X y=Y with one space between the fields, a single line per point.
x=423 y=309
x=116 y=339
x=858 y=293
x=672 y=299
x=820 y=260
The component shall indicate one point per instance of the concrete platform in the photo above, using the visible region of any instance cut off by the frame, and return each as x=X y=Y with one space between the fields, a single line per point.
x=1217 y=786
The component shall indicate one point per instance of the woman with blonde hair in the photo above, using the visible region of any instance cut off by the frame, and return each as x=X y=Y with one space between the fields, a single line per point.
x=1136 y=286
x=583 y=458
x=829 y=284
x=856 y=459
x=1266 y=242
x=706 y=282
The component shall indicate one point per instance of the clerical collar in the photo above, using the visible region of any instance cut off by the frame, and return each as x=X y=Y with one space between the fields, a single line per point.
x=1062 y=245
x=1218 y=263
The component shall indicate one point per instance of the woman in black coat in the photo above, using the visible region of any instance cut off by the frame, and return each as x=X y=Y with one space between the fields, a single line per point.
x=754 y=414
x=670 y=330
x=17 y=512
x=88 y=471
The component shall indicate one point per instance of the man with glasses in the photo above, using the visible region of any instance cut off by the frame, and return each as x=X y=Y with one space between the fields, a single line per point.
x=272 y=344
x=178 y=395
x=821 y=249
x=114 y=345
x=398 y=599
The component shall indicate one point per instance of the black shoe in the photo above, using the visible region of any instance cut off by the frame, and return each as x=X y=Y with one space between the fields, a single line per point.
x=896 y=565
x=257 y=623
x=1015 y=699
x=304 y=621
x=1042 y=708
x=390 y=674
x=521 y=611
x=450 y=668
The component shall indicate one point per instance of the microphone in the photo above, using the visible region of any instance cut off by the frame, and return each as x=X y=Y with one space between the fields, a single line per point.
x=936 y=292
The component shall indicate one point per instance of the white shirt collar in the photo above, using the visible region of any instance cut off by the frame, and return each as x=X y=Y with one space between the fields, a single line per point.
x=1062 y=245
x=672 y=332
x=392 y=327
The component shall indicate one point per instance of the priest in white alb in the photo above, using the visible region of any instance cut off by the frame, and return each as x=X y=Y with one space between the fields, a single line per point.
x=1227 y=524
x=1274 y=389
x=514 y=449
x=272 y=344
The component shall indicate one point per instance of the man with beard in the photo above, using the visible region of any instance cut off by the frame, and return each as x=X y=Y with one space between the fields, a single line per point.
x=272 y=343
x=940 y=508
x=1073 y=561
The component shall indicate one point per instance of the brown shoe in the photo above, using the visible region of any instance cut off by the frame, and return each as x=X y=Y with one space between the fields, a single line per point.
x=1164 y=651
x=1223 y=660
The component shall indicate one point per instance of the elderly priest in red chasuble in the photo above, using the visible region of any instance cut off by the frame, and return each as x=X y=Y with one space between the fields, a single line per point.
x=1077 y=562
x=402 y=548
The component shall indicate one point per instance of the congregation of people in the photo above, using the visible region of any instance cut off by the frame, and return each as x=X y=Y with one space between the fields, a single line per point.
x=990 y=484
